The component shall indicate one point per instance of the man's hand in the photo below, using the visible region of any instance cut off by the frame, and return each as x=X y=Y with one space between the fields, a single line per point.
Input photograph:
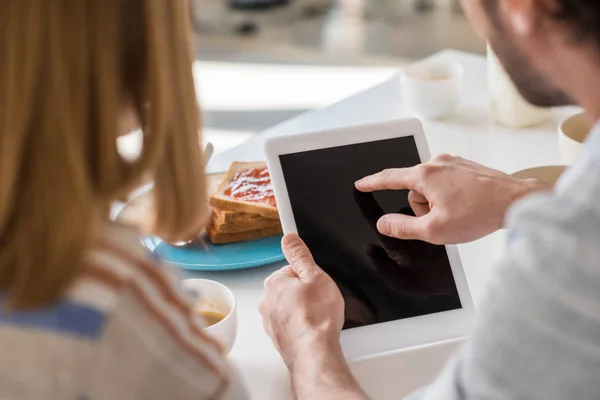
x=303 y=313
x=301 y=303
x=455 y=200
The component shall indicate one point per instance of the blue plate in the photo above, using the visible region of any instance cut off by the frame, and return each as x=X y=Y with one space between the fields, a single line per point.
x=223 y=257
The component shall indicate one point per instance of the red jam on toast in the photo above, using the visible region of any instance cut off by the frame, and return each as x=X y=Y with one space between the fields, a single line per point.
x=253 y=185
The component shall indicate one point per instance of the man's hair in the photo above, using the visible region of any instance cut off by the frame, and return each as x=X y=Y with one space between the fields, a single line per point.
x=583 y=17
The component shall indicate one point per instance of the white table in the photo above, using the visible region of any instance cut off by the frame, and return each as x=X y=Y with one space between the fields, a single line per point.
x=468 y=134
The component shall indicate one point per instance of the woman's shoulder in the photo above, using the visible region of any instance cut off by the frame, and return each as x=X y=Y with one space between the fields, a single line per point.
x=118 y=264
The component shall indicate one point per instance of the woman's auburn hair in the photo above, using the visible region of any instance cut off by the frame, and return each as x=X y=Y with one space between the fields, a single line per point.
x=68 y=70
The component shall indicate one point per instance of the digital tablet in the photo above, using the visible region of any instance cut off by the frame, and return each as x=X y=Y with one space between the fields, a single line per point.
x=398 y=293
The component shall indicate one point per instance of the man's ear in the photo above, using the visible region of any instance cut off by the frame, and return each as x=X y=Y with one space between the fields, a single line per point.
x=522 y=17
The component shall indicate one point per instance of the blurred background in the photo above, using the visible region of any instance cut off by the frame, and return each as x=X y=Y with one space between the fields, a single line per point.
x=349 y=32
x=259 y=59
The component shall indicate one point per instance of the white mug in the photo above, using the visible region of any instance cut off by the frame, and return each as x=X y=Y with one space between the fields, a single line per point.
x=572 y=133
x=216 y=297
x=432 y=88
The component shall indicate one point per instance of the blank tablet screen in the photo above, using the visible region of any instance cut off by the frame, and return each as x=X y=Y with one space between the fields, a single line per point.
x=381 y=279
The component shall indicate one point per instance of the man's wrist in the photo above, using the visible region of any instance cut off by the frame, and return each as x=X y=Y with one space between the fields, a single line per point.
x=311 y=344
x=524 y=188
x=319 y=369
x=533 y=185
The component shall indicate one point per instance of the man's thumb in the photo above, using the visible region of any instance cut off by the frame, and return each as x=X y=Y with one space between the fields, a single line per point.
x=299 y=257
x=402 y=227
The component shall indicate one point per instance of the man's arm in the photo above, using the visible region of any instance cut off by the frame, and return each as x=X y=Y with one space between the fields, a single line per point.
x=303 y=313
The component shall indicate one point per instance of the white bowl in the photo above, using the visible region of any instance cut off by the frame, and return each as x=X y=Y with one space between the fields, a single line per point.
x=214 y=296
x=572 y=133
x=433 y=88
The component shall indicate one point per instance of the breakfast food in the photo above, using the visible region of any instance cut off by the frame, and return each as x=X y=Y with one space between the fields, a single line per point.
x=251 y=223
x=246 y=188
x=227 y=217
x=217 y=237
x=243 y=205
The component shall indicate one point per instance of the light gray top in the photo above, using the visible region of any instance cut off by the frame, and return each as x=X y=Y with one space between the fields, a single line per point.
x=538 y=332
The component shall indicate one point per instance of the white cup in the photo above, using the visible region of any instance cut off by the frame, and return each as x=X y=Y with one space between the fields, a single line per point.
x=572 y=133
x=432 y=88
x=216 y=297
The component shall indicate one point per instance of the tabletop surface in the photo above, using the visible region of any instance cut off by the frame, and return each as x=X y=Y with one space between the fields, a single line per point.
x=468 y=133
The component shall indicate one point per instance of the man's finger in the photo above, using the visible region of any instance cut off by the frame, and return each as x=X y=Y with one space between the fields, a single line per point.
x=404 y=227
x=416 y=197
x=389 y=179
x=418 y=203
x=299 y=257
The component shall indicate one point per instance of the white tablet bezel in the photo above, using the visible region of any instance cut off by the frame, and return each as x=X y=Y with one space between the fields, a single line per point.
x=374 y=339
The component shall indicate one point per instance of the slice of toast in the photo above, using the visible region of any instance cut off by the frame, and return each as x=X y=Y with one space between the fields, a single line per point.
x=226 y=217
x=226 y=203
x=217 y=237
x=244 y=225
